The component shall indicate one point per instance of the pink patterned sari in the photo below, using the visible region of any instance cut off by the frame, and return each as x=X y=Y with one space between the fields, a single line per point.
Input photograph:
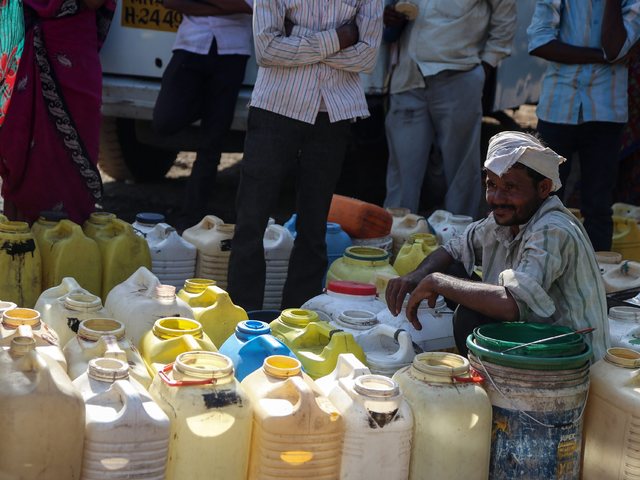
x=49 y=139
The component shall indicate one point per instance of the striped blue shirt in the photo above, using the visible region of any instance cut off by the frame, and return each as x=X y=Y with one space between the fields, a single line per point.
x=299 y=73
x=571 y=93
x=549 y=268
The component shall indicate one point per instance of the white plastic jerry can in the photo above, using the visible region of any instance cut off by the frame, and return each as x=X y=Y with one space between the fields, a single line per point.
x=378 y=421
x=173 y=259
x=127 y=433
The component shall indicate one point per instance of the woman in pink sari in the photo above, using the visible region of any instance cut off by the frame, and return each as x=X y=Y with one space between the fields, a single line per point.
x=50 y=135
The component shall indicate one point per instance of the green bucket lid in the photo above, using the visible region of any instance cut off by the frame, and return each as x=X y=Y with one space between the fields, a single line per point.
x=530 y=362
x=501 y=336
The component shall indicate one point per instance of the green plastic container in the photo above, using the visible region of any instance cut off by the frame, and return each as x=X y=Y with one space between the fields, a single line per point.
x=529 y=362
x=501 y=336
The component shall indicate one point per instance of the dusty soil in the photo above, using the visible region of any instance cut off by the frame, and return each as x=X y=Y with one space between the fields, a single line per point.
x=126 y=199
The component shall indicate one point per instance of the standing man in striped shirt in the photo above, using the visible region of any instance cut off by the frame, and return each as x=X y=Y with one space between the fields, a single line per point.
x=310 y=54
x=537 y=262
x=583 y=102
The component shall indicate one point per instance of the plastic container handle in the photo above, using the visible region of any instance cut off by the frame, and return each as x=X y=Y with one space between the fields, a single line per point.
x=182 y=383
x=474 y=377
x=112 y=349
x=190 y=342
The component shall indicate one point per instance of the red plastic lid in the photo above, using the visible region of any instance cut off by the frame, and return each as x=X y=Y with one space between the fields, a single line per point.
x=351 y=288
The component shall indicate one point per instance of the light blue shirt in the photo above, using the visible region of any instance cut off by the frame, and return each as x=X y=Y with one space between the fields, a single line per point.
x=571 y=93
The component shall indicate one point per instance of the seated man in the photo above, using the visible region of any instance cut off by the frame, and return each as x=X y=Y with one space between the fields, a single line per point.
x=537 y=262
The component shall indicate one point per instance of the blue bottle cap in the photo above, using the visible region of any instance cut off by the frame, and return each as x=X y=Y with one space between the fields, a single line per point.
x=53 y=216
x=149 y=218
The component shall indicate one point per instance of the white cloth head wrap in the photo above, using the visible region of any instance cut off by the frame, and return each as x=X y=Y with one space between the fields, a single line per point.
x=507 y=148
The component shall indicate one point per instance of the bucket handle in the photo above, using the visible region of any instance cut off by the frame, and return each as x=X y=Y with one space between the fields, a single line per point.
x=182 y=383
x=547 y=425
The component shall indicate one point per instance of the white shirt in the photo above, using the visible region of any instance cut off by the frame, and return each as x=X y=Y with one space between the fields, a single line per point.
x=453 y=35
x=232 y=33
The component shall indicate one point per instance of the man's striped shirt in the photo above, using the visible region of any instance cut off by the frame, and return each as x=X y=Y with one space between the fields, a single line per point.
x=549 y=268
x=299 y=72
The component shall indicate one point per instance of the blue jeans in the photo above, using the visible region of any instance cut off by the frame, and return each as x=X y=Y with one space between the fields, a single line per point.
x=597 y=145
x=446 y=112
x=275 y=144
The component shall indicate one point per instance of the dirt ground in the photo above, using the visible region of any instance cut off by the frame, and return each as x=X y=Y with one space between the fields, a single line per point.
x=126 y=199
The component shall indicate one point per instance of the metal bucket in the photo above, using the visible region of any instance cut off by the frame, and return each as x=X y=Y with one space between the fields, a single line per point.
x=537 y=420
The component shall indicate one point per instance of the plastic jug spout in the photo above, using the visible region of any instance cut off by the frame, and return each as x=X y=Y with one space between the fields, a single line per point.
x=21 y=345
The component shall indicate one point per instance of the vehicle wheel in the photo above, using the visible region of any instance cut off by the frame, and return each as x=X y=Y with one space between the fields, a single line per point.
x=124 y=158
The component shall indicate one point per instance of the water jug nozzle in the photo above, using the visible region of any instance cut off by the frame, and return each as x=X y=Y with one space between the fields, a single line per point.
x=280 y=366
x=172 y=327
x=165 y=293
x=212 y=367
x=377 y=386
x=101 y=218
x=440 y=366
x=298 y=317
x=82 y=302
x=21 y=316
x=94 y=328
x=20 y=346
x=108 y=369
x=358 y=319
x=197 y=285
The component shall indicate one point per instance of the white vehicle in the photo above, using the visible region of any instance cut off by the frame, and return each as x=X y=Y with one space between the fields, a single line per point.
x=138 y=49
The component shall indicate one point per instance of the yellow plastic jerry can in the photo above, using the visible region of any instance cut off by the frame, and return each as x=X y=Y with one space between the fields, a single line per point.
x=20 y=265
x=626 y=238
x=318 y=345
x=413 y=252
x=67 y=252
x=220 y=317
x=122 y=251
x=169 y=338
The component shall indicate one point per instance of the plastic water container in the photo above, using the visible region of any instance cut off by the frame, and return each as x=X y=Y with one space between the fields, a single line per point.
x=418 y=247
x=344 y=295
x=452 y=418
x=250 y=345
x=626 y=238
x=360 y=219
x=626 y=210
x=192 y=290
x=67 y=252
x=624 y=327
x=297 y=431
x=42 y=416
x=446 y=225
x=361 y=264
x=211 y=417
x=25 y=322
x=146 y=221
x=437 y=325
x=212 y=237
x=103 y=337
x=316 y=344
x=65 y=314
x=378 y=422
x=126 y=433
x=278 y=243
x=141 y=300
x=404 y=224
x=173 y=259
x=610 y=440
x=220 y=317
x=386 y=349
x=169 y=338
x=122 y=251
x=20 y=265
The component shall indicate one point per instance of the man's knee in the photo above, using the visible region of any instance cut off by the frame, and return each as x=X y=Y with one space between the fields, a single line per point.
x=464 y=321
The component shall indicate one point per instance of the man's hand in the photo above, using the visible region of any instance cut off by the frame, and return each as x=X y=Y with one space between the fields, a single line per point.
x=347 y=35
x=397 y=289
x=426 y=290
x=393 y=18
